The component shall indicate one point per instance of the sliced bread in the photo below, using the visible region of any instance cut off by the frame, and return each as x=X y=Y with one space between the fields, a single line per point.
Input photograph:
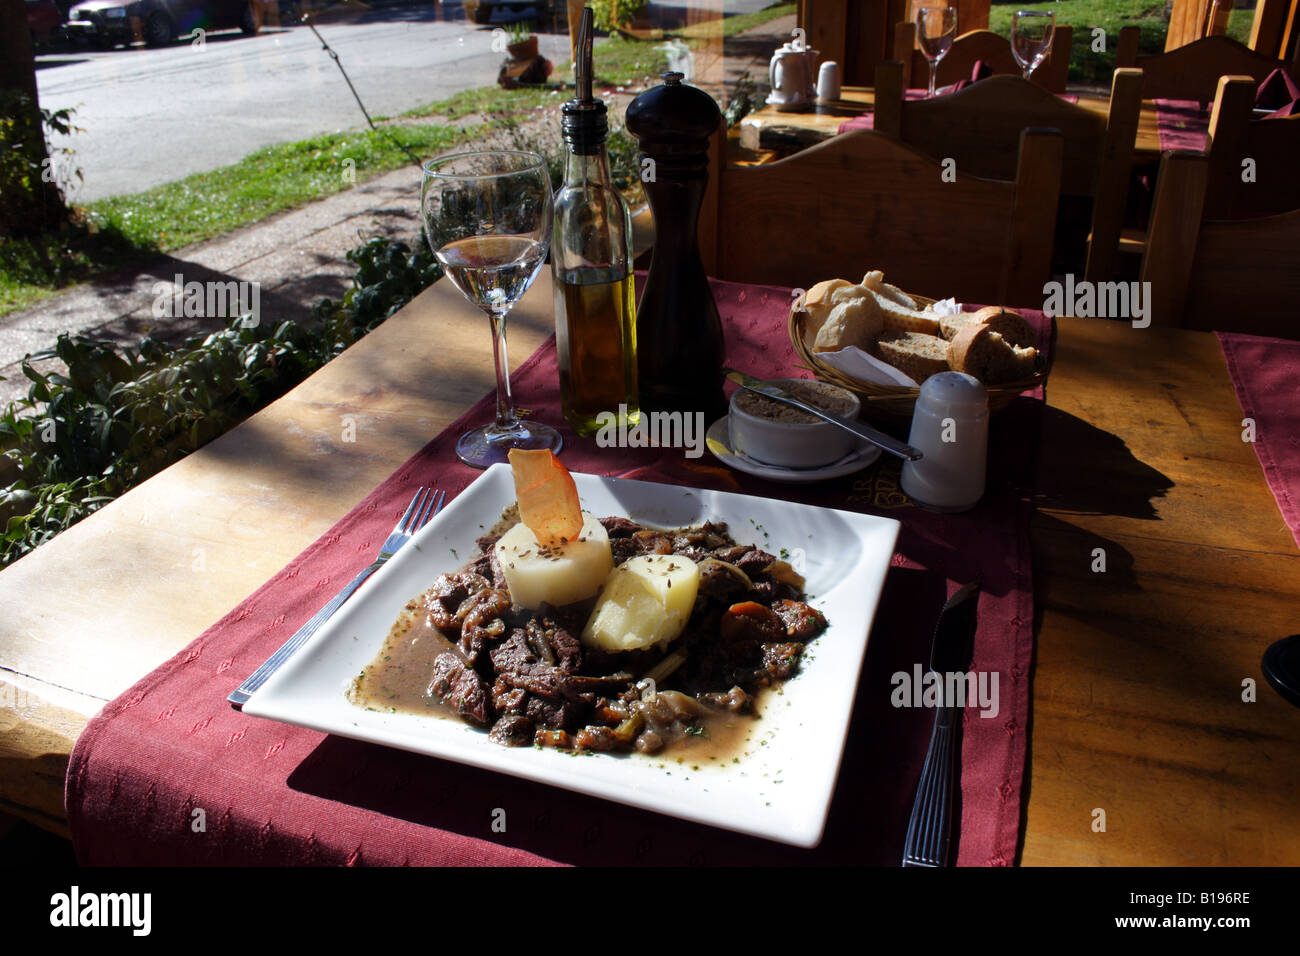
x=913 y=353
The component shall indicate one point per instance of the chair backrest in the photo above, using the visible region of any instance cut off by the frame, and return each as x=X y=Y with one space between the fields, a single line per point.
x=1190 y=20
x=979 y=127
x=977 y=45
x=1216 y=17
x=1254 y=166
x=1229 y=276
x=861 y=201
x=1192 y=72
x=1273 y=27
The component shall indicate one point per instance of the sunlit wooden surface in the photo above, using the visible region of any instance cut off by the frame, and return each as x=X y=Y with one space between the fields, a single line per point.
x=1139 y=670
x=1137 y=706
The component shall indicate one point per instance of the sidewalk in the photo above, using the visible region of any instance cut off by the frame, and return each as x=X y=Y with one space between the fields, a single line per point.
x=298 y=256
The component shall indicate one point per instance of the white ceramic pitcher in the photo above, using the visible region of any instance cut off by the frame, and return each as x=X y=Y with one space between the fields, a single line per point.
x=793 y=76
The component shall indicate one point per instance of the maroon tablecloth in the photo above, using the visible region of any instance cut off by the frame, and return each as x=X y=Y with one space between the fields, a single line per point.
x=1182 y=124
x=273 y=793
x=1266 y=374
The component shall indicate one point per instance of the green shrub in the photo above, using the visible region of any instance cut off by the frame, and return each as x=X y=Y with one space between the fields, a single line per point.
x=117 y=417
x=611 y=14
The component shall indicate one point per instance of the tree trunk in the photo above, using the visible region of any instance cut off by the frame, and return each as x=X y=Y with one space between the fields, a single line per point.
x=30 y=201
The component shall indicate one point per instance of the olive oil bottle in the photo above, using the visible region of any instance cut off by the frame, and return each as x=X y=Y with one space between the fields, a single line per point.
x=591 y=255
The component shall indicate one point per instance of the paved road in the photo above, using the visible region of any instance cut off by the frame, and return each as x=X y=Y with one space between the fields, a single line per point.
x=155 y=115
x=151 y=116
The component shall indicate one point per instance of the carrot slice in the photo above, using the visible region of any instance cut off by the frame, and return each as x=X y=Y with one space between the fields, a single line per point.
x=548 y=498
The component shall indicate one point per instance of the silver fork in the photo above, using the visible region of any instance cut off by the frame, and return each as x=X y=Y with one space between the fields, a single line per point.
x=425 y=504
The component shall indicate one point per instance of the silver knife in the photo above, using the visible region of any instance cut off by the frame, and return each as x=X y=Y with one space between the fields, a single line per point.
x=863 y=431
x=930 y=828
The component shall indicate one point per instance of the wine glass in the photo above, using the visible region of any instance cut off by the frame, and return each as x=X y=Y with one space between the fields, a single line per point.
x=935 y=28
x=1031 y=38
x=487 y=218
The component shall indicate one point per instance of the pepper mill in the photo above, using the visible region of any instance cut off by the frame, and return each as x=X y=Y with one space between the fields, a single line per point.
x=679 y=334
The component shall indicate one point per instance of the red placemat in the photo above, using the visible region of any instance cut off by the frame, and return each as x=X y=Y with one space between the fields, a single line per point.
x=271 y=793
x=1182 y=124
x=1266 y=374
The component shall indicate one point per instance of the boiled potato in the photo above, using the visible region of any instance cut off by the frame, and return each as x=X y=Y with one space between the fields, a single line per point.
x=556 y=575
x=646 y=600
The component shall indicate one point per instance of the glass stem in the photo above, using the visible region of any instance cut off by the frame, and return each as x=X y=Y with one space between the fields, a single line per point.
x=934 y=70
x=505 y=403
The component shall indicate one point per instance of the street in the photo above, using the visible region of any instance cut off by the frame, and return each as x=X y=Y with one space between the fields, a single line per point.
x=151 y=116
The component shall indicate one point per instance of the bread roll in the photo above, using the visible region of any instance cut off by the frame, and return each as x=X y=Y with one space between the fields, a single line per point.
x=899 y=296
x=914 y=354
x=1012 y=326
x=847 y=293
x=978 y=350
x=817 y=306
x=856 y=322
x=899 y=318
x=875 y=281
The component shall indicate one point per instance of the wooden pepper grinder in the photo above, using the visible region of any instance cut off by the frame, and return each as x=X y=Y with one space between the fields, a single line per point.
x=679 y=334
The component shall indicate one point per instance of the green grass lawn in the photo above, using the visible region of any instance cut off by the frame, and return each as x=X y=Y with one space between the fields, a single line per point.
x=279 y=177
x=124 y=229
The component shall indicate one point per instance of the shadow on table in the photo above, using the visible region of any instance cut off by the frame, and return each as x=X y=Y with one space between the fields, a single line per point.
x=1085 y=470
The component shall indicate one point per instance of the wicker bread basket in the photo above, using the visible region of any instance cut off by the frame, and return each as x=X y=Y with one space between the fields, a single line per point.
x=894 y=401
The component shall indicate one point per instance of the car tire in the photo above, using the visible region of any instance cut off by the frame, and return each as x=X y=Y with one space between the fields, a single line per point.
x=250 y=21
x=159 y=29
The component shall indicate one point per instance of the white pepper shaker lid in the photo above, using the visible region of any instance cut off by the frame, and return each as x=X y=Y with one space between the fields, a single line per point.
x=950 y=426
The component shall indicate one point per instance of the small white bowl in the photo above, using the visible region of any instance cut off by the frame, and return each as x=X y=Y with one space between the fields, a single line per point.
x=790 y=441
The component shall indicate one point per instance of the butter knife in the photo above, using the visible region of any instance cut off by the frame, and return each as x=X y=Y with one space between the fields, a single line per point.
x=861 y=430
x=930 y=828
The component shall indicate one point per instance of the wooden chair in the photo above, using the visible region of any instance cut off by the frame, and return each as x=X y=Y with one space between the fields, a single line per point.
x=1229 y=276
x=980 y=45
x=1254 y=164
x=858 y=35
x=1276 y=30
x=861 y=201
x=1191 y=72
x=980 y=128
x=1190 y=20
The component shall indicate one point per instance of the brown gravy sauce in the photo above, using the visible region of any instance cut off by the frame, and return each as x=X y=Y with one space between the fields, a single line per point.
x=397 y=681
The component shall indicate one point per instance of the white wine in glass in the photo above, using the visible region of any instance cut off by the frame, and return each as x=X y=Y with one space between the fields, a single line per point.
x=935 y=29
x=1031 y=38
x=487 y=218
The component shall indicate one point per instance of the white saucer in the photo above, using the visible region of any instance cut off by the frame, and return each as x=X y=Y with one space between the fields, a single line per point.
x=717 y=439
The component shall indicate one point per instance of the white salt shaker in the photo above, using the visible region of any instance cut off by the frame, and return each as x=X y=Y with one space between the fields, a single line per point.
x=828 y=81
x=950 y=427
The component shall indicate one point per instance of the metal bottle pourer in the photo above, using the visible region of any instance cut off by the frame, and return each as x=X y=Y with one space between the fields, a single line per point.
x=584 y=124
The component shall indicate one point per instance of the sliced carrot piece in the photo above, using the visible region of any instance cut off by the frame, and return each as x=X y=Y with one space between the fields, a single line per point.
x=548 y=498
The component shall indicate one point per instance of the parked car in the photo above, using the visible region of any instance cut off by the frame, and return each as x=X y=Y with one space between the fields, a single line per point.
x=106 y=23
x=480 y=11
x=44 y=18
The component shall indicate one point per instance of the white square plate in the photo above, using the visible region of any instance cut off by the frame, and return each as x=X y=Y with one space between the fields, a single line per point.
x=781 y=786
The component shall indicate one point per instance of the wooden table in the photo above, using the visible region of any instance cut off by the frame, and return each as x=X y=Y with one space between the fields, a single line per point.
x=1137 y=705
x=789 y=132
